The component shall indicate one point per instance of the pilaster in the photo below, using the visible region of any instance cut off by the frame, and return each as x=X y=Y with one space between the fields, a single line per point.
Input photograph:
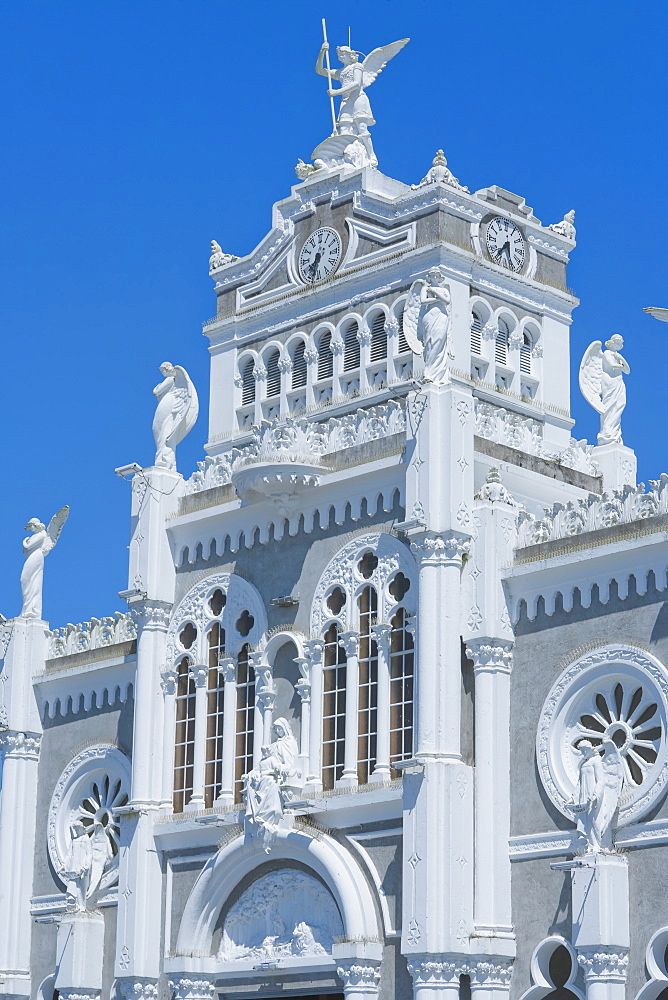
x=601 y=935
x=79 y=954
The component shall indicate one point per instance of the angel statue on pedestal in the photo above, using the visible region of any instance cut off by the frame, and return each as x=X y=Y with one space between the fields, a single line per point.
x=427 y=325
x=175 y=415
x=595 y=801
x=350 y=141
x=35 y=548
x=602 y=385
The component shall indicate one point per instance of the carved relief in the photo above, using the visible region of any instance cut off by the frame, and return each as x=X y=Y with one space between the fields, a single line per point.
x=284 y=913
x=95 y=634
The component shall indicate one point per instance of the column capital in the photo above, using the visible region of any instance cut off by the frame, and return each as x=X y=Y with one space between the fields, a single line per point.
x=314 y=649
x=227 y=666
x=154 y=615
x=78 y=994
x=489 y=972
x=200 y=674
x=168 y=679
x=492 y=656
x=359 y=976
x=185 y=988
x=350 y=642
x=138 y=988
x=16 y=745
x=440 y=548
x=604 y=964
x=433 y=969
x=381 y=634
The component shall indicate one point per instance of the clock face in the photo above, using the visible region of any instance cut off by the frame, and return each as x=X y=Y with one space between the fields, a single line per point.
x=505 y=244
x=320 y=255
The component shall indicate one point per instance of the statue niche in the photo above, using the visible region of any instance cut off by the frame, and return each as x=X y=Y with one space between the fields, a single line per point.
x=282 y=914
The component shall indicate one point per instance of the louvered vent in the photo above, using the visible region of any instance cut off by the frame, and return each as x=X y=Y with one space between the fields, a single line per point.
x=378 y=338
x=299 y=366
x=325 y=357
x=476 y=335
x=273 y=375
x=501 y=345
x=248 y=387
x=403 y=345
x=351 y=349
x=525 y=355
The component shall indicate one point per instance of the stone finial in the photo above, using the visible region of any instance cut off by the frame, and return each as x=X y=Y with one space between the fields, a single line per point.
x=440 y=173
x=495 y=491
x=218 y=258
x=566 y=227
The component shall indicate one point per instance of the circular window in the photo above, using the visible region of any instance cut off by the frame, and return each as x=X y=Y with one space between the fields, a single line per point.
x=92 y=786
x=614 y=692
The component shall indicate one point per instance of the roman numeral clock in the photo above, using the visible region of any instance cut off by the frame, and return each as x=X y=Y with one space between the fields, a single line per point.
x=320 y=255
x=505 y=244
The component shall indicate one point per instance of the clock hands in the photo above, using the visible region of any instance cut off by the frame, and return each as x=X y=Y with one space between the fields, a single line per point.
x=316 y=261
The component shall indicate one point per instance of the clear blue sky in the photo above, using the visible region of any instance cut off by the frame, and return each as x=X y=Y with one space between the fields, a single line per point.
x=135 y=132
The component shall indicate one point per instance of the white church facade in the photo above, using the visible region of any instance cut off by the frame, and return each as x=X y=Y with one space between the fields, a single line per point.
x=386 y=716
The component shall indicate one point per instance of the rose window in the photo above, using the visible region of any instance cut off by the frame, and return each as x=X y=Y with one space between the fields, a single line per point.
x=613 y=692
x=631 y=720
x=91 y=788
x=106 y=794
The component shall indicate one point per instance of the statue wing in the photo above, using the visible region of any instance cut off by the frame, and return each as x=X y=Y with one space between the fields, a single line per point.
x=657 y=313
x=55 y=527
x=193 y=402
x=376 y=61
x=591 y=368
x=412 y=316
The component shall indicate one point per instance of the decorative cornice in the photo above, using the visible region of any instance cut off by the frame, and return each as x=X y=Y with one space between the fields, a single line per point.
x=95 y=634
x=607 y=964
x=490 y=657
x=16 y=745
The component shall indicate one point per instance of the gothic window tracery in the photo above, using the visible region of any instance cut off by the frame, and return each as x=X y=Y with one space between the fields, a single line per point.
x=363 y=608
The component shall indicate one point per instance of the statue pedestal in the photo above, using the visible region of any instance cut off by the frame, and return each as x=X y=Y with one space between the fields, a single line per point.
x=600 y=897
x=618 y=465
x=79 y=953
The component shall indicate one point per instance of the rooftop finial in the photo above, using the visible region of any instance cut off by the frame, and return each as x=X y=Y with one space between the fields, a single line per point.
x=440 y=173
x=565 y=227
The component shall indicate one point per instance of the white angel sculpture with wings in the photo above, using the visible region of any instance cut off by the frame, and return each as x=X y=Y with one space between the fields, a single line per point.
x=35 y=548
x=426 y=324
x=175 y=414
x=355 y=111
x=595 y=801
x=602 y=385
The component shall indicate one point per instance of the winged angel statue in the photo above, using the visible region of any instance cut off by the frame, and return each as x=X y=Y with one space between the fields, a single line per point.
x=35 y=548
x=602 y=385
x=350 y=141
x=596 y=797
x=427 y=324
x=175 y=413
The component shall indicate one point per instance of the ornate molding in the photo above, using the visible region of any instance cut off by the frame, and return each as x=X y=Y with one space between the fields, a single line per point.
x=138 y=989
x=151 y=615
x=192 y=989
x=597 y=674
x=95 y=634
x=433 y=969
x=357 y=977
x=490 y=657
x=607 y=964
x=16 y=745
x=440 y=548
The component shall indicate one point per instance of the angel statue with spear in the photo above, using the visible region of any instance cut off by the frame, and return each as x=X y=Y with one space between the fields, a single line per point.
x=355 y=116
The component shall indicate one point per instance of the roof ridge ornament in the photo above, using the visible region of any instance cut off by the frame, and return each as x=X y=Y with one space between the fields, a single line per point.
x=350 y=142
x=566 y=227
x=440 y=173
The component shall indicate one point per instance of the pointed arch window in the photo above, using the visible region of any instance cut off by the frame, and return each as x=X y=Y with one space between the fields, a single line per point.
x=299 y=366
x=215 y=713
x=248 y=382
x=501 y=344
x=333 y=708
x=351 y=347
x=245 y=721
x=184 y=751
x=368 y=685
x=325 y=357
x=402 y=676
x=378 y=338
